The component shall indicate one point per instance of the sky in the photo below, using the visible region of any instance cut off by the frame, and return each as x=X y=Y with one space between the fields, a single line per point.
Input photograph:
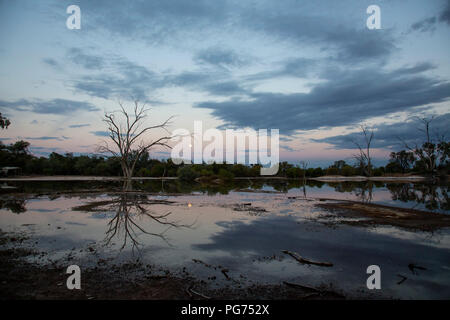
x=311 y=69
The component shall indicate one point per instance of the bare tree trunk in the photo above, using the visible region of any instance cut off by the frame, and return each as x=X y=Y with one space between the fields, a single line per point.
x=127 y=136
x=364 y=158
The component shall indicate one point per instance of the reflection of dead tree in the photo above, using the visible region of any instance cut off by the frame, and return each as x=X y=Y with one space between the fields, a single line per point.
x=365 y=192
x=364 y=159
x=127 y=136
x=129 y=207
x=15 y=205
x=433 y=197
x=304 y=166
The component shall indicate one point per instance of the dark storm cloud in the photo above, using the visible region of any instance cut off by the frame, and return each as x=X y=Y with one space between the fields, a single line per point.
x=79 y=125
x=191 y=78
x=154 y=21
x=55 y=106
x=219 y=57
x=127 y=79
x=348 y=97
x=430 y=23
x=212 y=82
x=392 y=136
x=45 y=138
x=227 y=88
x=445 y=14
x=287 y=148
x=166 y=20
x=122 y=78
x=348 y=43
x=100 y=133
x=291 y=67
x=88 y=61
x=172 y=20
x=104 y=133
x=51 y=62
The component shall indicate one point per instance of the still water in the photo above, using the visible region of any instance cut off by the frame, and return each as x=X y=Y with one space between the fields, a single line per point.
x=241 y=228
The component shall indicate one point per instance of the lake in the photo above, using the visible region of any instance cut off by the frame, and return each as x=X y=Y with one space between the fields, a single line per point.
x=234 y=235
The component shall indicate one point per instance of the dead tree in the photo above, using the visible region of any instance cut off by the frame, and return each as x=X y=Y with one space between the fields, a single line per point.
x=363 y=158
x=427 y=152
x=127 y=132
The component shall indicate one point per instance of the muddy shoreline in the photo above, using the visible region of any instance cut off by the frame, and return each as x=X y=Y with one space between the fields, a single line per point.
x=20 y=280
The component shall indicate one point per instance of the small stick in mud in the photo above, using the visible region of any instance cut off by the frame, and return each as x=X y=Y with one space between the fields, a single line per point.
x=224 y=271
x=412 y=267
x=315 y=292
x=300 y=259
x=190 y=291
x=299 y=286
x=402 y=280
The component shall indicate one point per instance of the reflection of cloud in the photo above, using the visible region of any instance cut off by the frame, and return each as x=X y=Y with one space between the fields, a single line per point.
x=350 y=249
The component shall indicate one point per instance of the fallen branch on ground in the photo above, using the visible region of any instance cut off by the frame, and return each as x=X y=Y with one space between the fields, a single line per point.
x=402 y=280
x=315 y=291
x=299 y=286
x=190 y=291
x=300 y=259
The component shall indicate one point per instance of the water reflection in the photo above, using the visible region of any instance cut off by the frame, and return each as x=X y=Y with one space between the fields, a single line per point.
x=14 y=205
x=431 y=196
x=412 y=195
x=133 y=219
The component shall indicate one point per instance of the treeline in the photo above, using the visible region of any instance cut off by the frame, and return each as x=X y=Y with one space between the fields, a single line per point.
x=17 y=155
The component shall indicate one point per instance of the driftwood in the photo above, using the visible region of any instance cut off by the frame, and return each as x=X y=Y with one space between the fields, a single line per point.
x=412 y=267
x=402 y=280
x=300 y=259
x=224 y=271
x=191 y=291
x=299 y=286
x=315 y=292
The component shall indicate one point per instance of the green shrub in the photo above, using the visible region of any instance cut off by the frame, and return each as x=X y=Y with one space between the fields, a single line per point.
x=225 y=174
x=187 y=173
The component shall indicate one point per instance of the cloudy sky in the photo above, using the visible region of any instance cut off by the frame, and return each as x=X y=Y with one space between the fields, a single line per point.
x=311 y=69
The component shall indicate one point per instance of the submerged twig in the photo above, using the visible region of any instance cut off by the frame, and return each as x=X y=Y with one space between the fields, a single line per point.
x=402 y=280
x=300 y=259
x=190 y=290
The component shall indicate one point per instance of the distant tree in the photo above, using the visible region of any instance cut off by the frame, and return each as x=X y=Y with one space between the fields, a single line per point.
x=431 y=152
x=402 y=159
x=4 y=122
x=127 y=131
x=444 y=153
x=339 y=164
